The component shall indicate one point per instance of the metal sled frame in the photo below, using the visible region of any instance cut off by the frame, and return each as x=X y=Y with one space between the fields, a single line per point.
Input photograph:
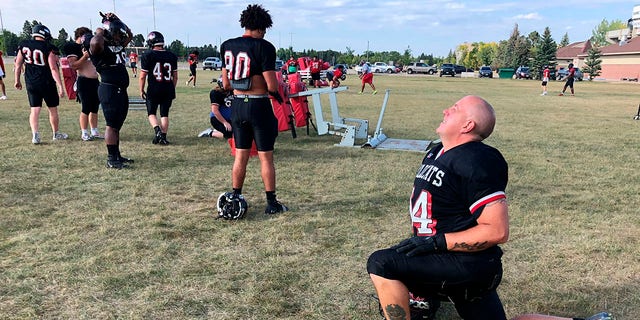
x=137 y=101
x=349 y=129
x=381 y=141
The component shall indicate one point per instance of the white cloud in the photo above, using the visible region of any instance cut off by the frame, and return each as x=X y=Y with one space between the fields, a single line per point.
x=528 y=16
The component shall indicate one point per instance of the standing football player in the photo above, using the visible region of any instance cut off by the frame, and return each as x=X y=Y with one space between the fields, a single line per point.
x=570 y=80
x=249 y=69
x=159 y=68
x=193 y=67
x=108 y=56
x=42 y=77
x=133 y=63
x=87 y=83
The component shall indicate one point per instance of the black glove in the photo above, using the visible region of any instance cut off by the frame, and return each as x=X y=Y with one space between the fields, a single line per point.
x=276 y=95
x=421 y=245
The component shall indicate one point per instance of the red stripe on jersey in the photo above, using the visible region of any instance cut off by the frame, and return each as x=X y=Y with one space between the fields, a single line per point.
x=487 y=199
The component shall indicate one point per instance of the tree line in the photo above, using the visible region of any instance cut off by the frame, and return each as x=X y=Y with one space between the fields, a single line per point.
x=534 y=50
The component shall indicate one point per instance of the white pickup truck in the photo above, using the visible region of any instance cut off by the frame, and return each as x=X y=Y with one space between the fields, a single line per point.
x=381 y=67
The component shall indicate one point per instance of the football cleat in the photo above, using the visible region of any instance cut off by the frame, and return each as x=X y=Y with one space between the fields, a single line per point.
x=231 y=206
x=601 y=316
x=275 y=207
x=205 y=133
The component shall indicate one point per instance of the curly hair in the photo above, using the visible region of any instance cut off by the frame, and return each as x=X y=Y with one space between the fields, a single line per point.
x=255 y=17
x=81 y=32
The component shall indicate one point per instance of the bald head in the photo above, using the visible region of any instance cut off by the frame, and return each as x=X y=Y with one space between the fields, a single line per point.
x=482 y=114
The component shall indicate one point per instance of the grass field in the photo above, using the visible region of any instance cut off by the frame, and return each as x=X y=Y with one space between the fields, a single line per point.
x=79 y=241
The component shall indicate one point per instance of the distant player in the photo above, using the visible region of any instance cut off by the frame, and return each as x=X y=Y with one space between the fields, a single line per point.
x=193 y=67
x=133 y=63
x=159 y=68
x=569 y=82
x=42 y=77
x=334 y=81
x=545 y=79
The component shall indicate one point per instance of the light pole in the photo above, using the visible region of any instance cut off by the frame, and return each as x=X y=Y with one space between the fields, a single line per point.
x=154 y=14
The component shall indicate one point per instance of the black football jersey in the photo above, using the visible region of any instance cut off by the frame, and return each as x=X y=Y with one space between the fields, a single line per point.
x=36 y=61
x=159 y=66
x=110 y=64
x=451 y=188
x=246 y=56
x=223 y=100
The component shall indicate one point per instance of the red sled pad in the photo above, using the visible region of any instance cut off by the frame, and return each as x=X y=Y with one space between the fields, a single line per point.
x=252 y=153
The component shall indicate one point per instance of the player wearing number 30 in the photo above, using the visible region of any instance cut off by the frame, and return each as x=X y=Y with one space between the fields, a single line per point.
x=459 y=215
x=159 y=68
x=41 y=76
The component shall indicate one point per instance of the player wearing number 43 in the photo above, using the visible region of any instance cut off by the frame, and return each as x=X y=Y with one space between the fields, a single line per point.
x=159 y=68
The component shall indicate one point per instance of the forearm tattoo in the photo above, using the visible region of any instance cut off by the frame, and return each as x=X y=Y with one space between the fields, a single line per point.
x=395 y=312
x=470 y=247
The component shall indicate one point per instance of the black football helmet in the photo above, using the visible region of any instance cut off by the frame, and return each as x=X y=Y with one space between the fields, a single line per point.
x=115 y=32
x=42 y=31
x=155 y=38
x=231 y=207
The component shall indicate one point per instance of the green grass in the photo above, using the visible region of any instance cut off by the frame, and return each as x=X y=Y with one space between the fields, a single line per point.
x=79 y=241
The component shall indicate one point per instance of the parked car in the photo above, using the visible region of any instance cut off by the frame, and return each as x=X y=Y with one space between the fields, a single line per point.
x=381 y=67
x=522 y=73
x=447 y=69
x=485 y=71
x=563 y=73
x=212 y=63
x=420 y=67
x=460 y=69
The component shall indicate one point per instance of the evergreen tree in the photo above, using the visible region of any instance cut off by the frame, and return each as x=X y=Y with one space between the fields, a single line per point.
x=565 y=40
x=513 y=52
x=593 y=62
x=545 y=53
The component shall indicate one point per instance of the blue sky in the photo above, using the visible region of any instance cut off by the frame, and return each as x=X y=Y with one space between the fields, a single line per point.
x=429 y=26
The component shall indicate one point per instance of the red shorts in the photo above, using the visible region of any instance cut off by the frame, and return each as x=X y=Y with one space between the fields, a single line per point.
x=367 y=78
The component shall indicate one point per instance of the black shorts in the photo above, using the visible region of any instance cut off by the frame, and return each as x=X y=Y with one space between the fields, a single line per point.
x=48 y=93
x=468 y=279
x=569 y=83
x=315 y=76
x=153 y=104
x=216 y=124
x=544 y=83
x=115 y=104
x=193 y=68
x=133 y=65
x=253 y=119
x=88 y=94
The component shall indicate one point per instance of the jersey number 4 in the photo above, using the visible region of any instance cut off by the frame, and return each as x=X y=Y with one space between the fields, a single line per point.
x=162 y=72
x=421 y=215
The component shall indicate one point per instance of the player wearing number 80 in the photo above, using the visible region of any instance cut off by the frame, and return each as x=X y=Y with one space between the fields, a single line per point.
x=459 y=215
x=159 y=68
x=249 y=69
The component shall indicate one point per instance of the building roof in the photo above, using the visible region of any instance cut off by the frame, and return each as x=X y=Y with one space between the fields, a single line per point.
x=573 y=50
x=631 y=46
